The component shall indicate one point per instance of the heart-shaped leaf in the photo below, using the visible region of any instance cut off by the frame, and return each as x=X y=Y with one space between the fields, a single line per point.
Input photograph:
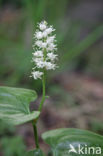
x=36 y=152
x=74 y=142
x=14 y=105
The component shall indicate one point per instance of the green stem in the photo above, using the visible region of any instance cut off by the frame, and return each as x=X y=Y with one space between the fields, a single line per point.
x=40 y=107
x=43 y=96
x=35 y=135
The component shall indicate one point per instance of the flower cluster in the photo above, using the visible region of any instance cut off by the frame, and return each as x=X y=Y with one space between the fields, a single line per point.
x=44 y=50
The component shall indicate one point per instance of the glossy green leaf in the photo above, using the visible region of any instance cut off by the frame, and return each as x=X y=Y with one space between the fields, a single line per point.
x=36 y=152
x=14 y=105
x=64 y=140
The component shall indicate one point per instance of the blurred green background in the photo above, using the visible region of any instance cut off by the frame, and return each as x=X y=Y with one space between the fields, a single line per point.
x=76 y=87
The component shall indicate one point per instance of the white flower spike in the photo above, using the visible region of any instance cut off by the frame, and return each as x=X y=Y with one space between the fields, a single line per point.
x=44 y=47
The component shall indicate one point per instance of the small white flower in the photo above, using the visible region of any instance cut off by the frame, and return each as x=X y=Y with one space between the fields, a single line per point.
x=41 y=44
x=40 y=64
x=50 y=66
x=49 y=30
x=43 y=25
x=44 y=44
x=38 y=59
x=38 y=43
x=50 y=39
x=37 y=74
x=51 y=56
x=51 y=47
x=39 y=35
x=45 y=34
x=38 y=53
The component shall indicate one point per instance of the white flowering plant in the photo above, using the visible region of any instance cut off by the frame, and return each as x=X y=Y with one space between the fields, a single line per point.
x=14 y=103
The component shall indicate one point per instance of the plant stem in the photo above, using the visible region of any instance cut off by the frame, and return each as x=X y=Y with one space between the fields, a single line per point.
x=40 y=108
x=43 y=96
x=35 y=135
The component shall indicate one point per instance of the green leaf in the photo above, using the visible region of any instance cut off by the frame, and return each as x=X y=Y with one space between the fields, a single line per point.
x=14 y=105
x=61 y=141
x=36 y=152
